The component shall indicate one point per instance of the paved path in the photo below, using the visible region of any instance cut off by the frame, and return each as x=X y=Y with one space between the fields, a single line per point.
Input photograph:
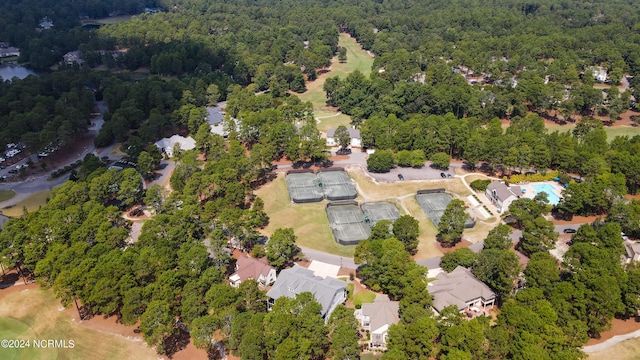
x=610 y=342
x=316 y=255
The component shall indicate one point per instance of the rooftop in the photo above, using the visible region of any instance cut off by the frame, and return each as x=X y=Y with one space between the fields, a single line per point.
x=297 y=279
x=457 y=288
x=250 y=268
x=503 y=191
x=381 y=312
x=353 y=133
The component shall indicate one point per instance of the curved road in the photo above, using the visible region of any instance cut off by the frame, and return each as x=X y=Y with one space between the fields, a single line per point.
x=36 y=184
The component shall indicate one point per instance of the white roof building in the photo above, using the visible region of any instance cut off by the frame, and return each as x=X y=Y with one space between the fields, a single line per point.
x=166 y=145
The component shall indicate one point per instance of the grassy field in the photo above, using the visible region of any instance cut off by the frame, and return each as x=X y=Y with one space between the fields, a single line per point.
x=35 y=315
x=427 y=245
x=387 y=190
x=363 y=297
x=6 y=195
x=106 y=21
x=612 y=132
x=309 y=221
x=31 y=203
x=357 y=59
x=626 y=350
x=333 y=121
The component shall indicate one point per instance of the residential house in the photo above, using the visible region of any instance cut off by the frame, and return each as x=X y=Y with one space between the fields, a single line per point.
x=166 y=145
x=45 y=23
x=376 y=318
x=214 y=119
x=8 y=51
x=632 y=251
x=328 y=292
x=248 y=268
x=599 y=73
x=462 y=289
x=502 y=195
x=73 y=57
x=354 y=134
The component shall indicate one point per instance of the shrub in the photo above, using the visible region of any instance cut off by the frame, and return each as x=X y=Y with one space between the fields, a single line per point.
x=518 y=178
x=381 y=161
x=404 y=158
x=441 y=160
x=480 y=185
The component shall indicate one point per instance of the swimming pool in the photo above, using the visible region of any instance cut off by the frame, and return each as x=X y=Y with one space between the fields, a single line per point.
x=554 y=199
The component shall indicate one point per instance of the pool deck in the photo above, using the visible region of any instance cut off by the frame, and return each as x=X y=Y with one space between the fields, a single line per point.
x=530 y=191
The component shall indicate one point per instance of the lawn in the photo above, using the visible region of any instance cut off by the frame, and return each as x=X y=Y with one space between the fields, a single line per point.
x=365 y=297
x=612 y=131
x=107 y=20
x=357 y=59
x=32 y=203
x=6 y=195
x=34 y=314
x=311 y=226
x=309 y=221
x=626 y=350
x=427 y=245
x=374 y=190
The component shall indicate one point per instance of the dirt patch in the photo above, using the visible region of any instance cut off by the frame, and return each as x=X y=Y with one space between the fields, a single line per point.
x=462 y=244
x=632 y=197
x=576 y=220
x=15 y=288
x=618 y=327
x=346 y=271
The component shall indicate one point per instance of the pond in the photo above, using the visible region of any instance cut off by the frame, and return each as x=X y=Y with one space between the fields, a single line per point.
x=9 y=71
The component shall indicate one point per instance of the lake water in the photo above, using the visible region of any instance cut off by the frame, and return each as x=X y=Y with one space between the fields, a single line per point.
x=9 y=71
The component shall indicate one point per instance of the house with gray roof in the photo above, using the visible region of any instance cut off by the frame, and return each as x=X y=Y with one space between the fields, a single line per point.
x=327 y=291
x=502 y=195
x=376 y=318
x=632 y=251
x=462 y=289
x=354 y=134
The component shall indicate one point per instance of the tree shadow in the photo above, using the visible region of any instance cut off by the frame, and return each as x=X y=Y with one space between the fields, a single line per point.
x=8 y=280
x=176 y=342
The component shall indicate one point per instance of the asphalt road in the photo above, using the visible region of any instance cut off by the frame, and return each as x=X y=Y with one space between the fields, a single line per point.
x=40 y=183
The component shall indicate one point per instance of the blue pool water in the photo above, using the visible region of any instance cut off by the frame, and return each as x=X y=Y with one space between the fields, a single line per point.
x=554 y=199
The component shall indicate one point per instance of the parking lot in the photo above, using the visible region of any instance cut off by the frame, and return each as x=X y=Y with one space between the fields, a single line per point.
x=424 y=173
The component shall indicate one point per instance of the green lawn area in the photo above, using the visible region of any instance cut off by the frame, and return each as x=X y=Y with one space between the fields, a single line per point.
x=6 y=195
x=34 y=315
x=626 y=350
x=32 y=203
x=357 y=59
x=612 y=132
x=365 y=297
x=309 y=221
x=107 y=20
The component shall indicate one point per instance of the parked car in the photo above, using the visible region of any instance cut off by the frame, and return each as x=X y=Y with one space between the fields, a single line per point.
x=343 y=152
x=449 y=176
x=443 y=175
x=400 y=177
x=569 y=231
x=13 y=171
